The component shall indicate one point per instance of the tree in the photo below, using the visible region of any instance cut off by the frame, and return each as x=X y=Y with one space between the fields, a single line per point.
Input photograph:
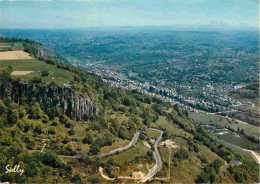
x=9 y=69
x=77 y=79
x=65 y=120
x=45 y=119
x=38 y=129
x=3 y=109
x=45 y=73
x=89 y=138
x=203 y=178
x=127 y=101
x=5 y=75
x=76 y=179
x=94 y=149
x=22 y=111
x=51 y=130
x=216 y=164
x=49 y=157
x=85 y=116
x=35 y=111
x=55 y=122
x=182 y=154
x=71 y=132
x=103 y=123
x=239 y=177
x=122 y=133
x=12 y=116
x=8 y=101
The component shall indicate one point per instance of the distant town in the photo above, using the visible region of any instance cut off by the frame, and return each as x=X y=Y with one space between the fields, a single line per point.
x=216 y=99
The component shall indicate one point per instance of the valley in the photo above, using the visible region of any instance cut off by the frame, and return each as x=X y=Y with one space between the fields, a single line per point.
x=62 y=119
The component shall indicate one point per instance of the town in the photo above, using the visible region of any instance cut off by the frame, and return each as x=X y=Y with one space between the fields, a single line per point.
x=216 y=97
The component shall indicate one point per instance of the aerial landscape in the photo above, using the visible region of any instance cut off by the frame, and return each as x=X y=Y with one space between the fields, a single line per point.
x=98 y=91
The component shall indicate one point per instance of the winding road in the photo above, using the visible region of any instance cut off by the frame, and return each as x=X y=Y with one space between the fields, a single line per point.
x=158 y=165
x=152 y=171
x=131 y=144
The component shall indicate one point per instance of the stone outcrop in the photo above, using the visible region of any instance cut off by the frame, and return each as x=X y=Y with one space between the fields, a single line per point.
x=50 y=96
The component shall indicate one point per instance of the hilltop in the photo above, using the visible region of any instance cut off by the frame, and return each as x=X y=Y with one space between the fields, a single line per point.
x=57 y=120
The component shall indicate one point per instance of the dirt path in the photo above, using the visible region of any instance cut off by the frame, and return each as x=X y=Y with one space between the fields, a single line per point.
x=103 y=175
x=254 y=154
x=223 y=169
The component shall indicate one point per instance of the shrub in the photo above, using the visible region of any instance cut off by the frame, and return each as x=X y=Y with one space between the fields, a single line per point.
x=71 y=132
x=182 y=154
x=76 y=179
x=45 y=119
x=52 y=130
x=38 y=129
x=45 y=73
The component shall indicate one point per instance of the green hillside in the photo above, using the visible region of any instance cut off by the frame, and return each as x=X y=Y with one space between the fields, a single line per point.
x=56 y=75
x=53 y=147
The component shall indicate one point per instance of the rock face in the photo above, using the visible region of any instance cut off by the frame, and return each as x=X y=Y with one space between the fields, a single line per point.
x=40 y=52
x=50 y=96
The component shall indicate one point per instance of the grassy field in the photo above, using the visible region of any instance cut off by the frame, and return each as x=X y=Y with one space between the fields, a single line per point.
x=249 y=129
x=240 y=141
x=125 y=160
x=117 y=144
x=5 y=47
x=220 y=121
x=17 y=46
x=250 y=118
x=138 y=150
x=80 y=130
x=173 y=128
x=244 y=153
x=84 y=148
x=8 y=46
x=56 y=75
x=152 y=134
x=165 y=153
x=205 y=152
x=185 y=172
x=211 y=119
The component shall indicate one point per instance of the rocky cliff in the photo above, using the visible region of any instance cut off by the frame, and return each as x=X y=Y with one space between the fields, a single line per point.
x=50 y=96
x=40 y=51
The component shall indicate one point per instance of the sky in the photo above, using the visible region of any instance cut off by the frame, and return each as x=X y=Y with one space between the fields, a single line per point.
x=94 y=13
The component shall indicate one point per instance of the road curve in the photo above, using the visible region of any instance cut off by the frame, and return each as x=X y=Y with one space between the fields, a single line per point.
x=131 y=144
x=158 y=165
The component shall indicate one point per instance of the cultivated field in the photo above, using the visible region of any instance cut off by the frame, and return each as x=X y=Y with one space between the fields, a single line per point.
x=15 y=73
x=222 y=122
x=35 y=67
x=9 y=46
x=14 y=55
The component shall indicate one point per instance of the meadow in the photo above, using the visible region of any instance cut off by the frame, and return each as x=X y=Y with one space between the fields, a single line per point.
x=59 y=76
x=216 y=120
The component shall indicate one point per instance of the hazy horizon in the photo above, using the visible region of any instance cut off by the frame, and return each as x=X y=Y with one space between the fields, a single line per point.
x=67 y=14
